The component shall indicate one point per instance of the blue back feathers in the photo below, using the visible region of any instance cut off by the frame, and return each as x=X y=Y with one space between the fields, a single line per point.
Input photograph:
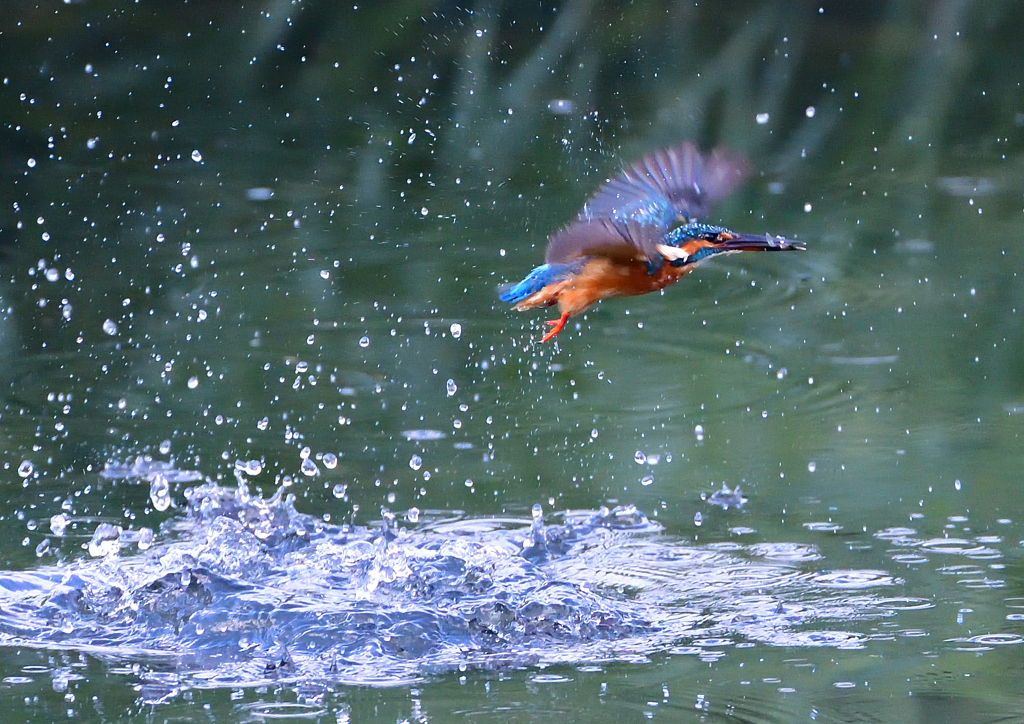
x=538 y=279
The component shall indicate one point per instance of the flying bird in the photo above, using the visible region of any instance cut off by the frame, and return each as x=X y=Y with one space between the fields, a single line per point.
x=639 y=233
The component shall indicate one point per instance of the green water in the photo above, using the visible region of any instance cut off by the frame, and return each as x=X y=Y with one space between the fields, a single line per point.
x=301 y=213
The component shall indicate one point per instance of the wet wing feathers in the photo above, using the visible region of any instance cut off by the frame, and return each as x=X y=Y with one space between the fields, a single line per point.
x=638 y=207
x=626 y=239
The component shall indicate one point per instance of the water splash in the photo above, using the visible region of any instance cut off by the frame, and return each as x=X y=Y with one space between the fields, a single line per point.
x=241 y=590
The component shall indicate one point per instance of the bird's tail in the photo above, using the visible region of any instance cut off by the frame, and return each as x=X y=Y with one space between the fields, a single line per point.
x=536 y=280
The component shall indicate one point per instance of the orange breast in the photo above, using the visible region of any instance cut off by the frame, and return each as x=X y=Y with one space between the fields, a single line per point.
x=602 y=278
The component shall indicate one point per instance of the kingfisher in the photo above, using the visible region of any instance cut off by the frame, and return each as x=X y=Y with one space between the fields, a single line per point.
x=640 y=232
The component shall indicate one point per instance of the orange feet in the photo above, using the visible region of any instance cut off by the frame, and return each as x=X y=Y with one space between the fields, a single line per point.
x=556 y=326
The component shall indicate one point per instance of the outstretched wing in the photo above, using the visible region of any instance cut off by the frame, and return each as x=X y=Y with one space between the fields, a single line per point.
x=637 y=208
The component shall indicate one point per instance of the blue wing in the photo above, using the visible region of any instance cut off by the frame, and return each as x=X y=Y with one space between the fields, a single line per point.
x=635 y=210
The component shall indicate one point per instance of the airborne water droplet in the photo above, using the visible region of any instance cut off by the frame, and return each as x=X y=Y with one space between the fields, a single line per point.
x=59 y=523
x=452 y=388
x=159 y=493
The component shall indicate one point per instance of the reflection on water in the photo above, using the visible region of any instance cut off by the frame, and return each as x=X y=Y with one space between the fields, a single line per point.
x=240 y=590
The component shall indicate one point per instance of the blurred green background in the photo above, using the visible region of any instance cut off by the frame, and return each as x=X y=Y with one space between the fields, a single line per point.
x=233 y=232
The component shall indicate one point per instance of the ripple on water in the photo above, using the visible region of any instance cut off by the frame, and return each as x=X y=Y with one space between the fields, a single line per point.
x=421 y=435
x=851 y=579
x=837 y=639
x=959 y=546
x=238 y=590
x=985 y=642
x=905 y=603
x=283 y=710
x=790 y=552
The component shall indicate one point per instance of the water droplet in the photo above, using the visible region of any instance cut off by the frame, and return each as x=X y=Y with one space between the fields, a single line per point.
x=561 y=107
x=340 y=490
x=781 y=374
x=160 y=493
x=311 y=339
x=165 y=447
x=146 y=538
x=110 y=327
x=537 y=513
x=309 y=468
x=59 y=523
x=364 y=342
x=330 y=461
x=639 y=457
x=699 y=432
x=761 y=118
x=646 y=480
x=810 y=111
x=105 y=540
x=25 y=469
x=698 y=519
x=52 y=275
x=263 y=424
x=325 y=273
x=415 y=462
x=417 y=435
x=456 y=330
x=452 y=388
x=259 y=193
x=412 y=515
x=812 y=466
x=593 y=434
x=197 y=157
x=193 y=382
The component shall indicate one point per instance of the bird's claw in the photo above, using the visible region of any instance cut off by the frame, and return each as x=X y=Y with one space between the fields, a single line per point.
x=556 y=327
